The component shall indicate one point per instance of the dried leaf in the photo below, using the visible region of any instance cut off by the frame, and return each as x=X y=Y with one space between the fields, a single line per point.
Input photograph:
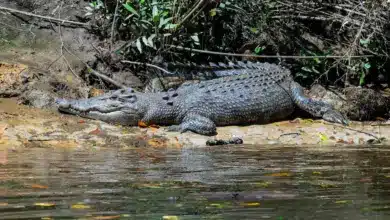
x=3 y=157
x=283 y=174
x=250 y=204
x=3 y=127
x=341 y=201
x=263 y=184
x=97 y=131
x=80 y=206
x=177 y=143
x=44 y=204
x=38 y=186
x=142 y=124
x=156 y=142
x=107 y=217
x=170 y=217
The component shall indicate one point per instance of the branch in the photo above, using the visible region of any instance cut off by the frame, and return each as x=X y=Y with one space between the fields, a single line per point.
x=56 y=20
x=113 y=24
x=96 y=73
x=261 y=56
x=147 y=64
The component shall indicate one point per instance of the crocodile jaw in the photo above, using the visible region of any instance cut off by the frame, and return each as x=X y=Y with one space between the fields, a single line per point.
x=118 y=110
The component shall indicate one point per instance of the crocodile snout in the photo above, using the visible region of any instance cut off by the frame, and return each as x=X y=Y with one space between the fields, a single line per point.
x=62 y=103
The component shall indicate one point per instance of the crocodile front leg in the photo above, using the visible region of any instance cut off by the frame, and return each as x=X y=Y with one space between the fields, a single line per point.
x=314 y=107
x=195 y=123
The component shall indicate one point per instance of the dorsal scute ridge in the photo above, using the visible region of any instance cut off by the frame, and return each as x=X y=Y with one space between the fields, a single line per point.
x=226 y=66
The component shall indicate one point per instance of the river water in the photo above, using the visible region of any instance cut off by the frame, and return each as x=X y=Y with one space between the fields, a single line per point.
x=231 y=182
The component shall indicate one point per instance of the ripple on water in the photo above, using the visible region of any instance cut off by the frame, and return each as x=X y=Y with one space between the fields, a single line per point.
x=246 y=182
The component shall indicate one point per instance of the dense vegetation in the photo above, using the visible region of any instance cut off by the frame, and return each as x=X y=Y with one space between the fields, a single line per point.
x=344 y=27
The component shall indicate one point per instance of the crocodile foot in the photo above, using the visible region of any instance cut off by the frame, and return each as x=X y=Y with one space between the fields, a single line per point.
x=195 y=123
x=335 y=117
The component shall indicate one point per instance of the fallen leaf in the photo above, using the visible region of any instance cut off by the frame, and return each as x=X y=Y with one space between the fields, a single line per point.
x=3 y=204
x=38 y=186
x=217 y=205
x=366 y=180
x=154 y=129
x=323 y=137
x=250 y=204
x=80 y=206
x=263 y=184
x=107 y=217
x=142 y=124
x=154 y=142
x=341 y=202
x=317 y=173
x=44 y=204
x=97 y=131
x=2 y=129
x=177 y=143
x=283 y=174
x=96 y=92
x=81 y=121
x=4 y=157
x=170 y=217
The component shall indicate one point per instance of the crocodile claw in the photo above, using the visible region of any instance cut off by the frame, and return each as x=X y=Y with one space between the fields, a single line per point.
x=335 y=117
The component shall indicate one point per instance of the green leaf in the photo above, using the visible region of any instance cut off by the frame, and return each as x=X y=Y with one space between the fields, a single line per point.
x=139 y=45
x=317 y=60
x=362 y=77
x=164 y=21
x=315 y=70
x=130 y=9
x=254 y=30
x=213 y=12
x=367 y=66
x=222 y=5
x=142 y=2
x=195 y=38
x=155 y=13
x=170 y=26
x=306 y=69
x=259 y=49
x=145 y=41
x=165 y=13
x=150 y=39
x=364 y=42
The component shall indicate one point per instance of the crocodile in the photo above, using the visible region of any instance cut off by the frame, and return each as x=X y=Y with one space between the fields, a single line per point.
x=258 y=93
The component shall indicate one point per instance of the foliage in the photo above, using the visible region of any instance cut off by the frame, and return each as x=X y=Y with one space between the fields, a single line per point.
x=346 y=28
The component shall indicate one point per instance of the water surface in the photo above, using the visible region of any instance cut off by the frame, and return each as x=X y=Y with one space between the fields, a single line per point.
x=235 y=182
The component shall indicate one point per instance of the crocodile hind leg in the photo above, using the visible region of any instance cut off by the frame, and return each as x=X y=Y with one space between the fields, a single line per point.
x=314 y=107
x=195 y=123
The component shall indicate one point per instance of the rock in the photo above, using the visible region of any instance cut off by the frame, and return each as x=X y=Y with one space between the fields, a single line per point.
x=39 y=99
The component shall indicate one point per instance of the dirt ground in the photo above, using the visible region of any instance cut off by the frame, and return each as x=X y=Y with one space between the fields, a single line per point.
x=22 y=126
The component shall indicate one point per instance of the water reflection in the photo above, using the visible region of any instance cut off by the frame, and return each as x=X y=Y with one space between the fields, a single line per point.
x=210 y=183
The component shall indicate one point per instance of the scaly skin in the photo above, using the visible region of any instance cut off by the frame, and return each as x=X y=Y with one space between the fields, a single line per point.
x=253 y=97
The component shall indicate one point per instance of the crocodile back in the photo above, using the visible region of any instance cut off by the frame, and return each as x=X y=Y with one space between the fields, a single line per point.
x=239 y=99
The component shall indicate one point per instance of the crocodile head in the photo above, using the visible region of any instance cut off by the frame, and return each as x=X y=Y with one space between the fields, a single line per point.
x=119 y=107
